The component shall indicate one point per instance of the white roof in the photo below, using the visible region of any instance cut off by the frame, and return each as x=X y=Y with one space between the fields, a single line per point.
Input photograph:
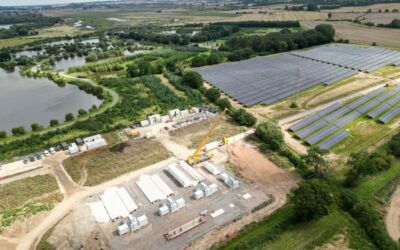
x=114 y=206
x=191 y=171
x=180 y=176
x=99 y=212
x=126 y=199
x=217 y=213
x=150 y=190
x=167 y=191
x=211 y=168
x=92 y=138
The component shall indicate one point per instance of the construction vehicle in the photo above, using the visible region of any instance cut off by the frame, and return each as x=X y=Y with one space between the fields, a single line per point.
x=198 y=155
x=135 y=133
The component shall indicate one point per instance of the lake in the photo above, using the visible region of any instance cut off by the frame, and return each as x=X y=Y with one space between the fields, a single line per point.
x=71 y=41
x=65 y=64
x=5 y=26
x=24 y=101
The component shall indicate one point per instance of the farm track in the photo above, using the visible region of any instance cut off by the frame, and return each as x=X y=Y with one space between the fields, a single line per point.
x=115 y=100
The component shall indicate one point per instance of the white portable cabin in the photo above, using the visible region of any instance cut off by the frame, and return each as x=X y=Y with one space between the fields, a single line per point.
x=73 y=149
x=180 y=176
x=211 y=146
x=163 y=210
x=174 y=113
x=142 y=220
x=144 y=123
x=184 y=112
x=211 y=168
x=154 y=119
x=181 y=203
x=123 y=229
x=95 y=141
x=191 y=171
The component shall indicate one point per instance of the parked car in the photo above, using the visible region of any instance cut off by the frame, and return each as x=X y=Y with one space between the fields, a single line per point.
x=39 y=156
x=32 y=158
x=46 y=153
x=25 y=161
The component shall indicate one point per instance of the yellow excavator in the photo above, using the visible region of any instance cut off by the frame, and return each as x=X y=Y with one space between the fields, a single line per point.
x=198 y=155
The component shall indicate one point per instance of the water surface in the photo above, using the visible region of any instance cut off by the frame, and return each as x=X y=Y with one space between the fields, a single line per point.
x=24 y=101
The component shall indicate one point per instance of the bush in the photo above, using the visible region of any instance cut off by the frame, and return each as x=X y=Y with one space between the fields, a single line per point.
x=193 y=79
x=3 y=134
x=18 y=131
x=213 y=94
x=199 y=60
x=82 y=112
x=69 y=117
x=53 y=122
x=394 y=145
x=314 y=199
x=36 y=127
x=224 y=103
x=270 y=134
x=243 y=118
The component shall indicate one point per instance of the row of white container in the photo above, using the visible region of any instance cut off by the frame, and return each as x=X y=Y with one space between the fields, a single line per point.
x=185 y=174
x=91 y=142
x=157 y=118
x=230 y=181
x=154 y=188
x=132 y=224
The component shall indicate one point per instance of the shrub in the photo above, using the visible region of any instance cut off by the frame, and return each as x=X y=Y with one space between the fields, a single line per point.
x=36 y=127
x=394 y=145
x=81 y=112
x=224 y=103
x=213 y=94
x=193 y=79
x=53 y=122
x=3 y=134
x=244 y=118
x=270 y=134
x=69 y=117
x=18 y=131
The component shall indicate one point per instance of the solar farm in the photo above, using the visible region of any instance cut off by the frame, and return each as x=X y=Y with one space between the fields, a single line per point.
x=271 y=78
x=326 y=128
x=355 y=57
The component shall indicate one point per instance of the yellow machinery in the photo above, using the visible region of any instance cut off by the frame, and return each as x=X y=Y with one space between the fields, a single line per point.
x=197 y=155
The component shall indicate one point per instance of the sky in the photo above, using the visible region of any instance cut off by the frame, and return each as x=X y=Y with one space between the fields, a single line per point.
x=40 y=2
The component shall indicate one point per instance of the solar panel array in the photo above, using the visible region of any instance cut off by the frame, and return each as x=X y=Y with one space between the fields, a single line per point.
x=315 y=117
x=390 y=115
x=271 y=78
x=324 y=123
x=353 y=56
x=332 y=141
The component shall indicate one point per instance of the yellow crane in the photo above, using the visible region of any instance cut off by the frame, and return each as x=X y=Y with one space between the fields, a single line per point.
x=197 y=155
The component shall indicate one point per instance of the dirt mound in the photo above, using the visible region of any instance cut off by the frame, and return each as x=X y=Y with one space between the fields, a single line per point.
x=119 y=148
x=253 y=166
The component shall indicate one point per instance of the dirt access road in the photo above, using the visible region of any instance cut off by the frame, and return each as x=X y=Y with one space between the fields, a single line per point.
x=392 y=219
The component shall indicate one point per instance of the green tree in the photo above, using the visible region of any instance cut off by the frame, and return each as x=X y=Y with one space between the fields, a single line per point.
x=394 y=145
x=3 y=134
x=53 y=122
x=18 y=131
x=315 y=158
x=214 y=58
x=213 y=94
x=244 y=118
x=224 y=103
x=82 y=112
x=270 y=134
x=313 y=199
x=36 y=127
x=193 y=79
x=327 y=30
x=199 y=60
x=69 y=117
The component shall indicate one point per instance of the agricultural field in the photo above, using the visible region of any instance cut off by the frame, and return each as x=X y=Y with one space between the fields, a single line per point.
x=379 y=18
x=373 y=7
x=104 y=164
x=361 y=34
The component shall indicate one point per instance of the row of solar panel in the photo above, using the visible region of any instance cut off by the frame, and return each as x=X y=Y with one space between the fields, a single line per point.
x=366 y=59
x=359 y=107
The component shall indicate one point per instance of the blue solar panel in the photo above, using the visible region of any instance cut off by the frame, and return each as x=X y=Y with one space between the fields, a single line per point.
x=390 y=115
x=321 y=134
x=311 y=129
x=304 y=122
x=332 y=141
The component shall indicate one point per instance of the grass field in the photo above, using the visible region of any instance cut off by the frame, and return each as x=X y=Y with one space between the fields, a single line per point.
x=97 y=166
x=388 y=71
x=316 y=233
x=17 y=193
x=362 y=34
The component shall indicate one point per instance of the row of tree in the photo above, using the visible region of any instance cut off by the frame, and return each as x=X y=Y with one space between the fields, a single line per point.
x=285 y=40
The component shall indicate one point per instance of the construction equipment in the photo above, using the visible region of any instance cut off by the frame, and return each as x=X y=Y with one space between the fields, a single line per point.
x=198 y=156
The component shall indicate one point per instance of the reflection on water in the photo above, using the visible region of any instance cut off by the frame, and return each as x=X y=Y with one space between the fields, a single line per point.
x=24 y=101
x=65 y=64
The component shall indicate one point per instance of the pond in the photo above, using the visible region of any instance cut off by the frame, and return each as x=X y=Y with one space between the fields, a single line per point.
x=29 y=53
x=24 y=101
x=71 y=41
x=5 y=26
x=65 y=64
